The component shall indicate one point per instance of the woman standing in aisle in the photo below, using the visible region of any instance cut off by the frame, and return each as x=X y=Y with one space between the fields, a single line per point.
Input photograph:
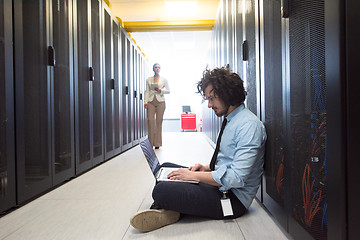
x=154 y=102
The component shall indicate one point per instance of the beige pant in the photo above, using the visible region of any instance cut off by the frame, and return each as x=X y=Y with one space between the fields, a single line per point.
x=155 y=131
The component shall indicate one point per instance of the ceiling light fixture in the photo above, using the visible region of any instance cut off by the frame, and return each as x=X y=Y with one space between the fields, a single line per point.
x=181 y=8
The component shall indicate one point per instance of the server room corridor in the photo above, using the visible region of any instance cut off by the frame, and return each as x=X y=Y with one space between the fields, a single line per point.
x=98 y=204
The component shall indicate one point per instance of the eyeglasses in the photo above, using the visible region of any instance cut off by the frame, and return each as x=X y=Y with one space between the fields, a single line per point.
x=210 y=98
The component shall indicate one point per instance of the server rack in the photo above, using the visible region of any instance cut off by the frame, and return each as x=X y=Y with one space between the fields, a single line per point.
x=45 y=125
x=229 y=34
x=117 y=98
x=62 y=85
x=342 y=51
x=138 y=93
x=249 y=56
x=132 y=86
x=307 y=121
x=138 y=99
x=222 y=34
x=125 y=89
x=141 y=99
x=97 y=84
x=352 y=53
x=88 y=87
x=127 y=96
x=273 y=106
x=7 y=131
x=135 y=71
x=63 y=144
x=145 y=69
x=238 y=38
x=111 y=79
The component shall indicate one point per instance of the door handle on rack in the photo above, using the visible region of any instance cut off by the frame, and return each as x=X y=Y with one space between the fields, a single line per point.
x=135 y=94
x=127 y=90
x=51 y=56
x=245 y=51
x=112 y=83
x=285 y=8
x=91 y=74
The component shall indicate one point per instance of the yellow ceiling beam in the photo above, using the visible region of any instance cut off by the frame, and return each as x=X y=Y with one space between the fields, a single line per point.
x=108 y=3
x=169 y=26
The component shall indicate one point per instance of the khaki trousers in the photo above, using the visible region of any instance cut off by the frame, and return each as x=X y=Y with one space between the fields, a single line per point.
x=155 y=123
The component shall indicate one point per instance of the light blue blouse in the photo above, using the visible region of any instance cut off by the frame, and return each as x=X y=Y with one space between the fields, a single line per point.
x=240 y=161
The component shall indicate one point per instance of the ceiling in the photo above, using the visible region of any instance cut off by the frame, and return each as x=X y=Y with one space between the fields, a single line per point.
x=168 y=38
x=156 y=10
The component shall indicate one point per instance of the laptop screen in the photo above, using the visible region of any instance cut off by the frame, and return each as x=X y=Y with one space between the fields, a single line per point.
x=150 y=155
x=186 y=109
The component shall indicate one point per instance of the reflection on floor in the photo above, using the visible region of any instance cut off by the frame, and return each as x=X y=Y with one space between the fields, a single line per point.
x=98 y=204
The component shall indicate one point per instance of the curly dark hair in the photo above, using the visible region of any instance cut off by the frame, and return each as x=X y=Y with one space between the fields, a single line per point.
x=227 y=85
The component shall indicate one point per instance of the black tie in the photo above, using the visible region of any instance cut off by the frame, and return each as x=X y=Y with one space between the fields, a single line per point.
x=214 y=157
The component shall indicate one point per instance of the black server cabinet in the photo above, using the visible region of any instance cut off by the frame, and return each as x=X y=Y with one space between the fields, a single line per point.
x=307 y=121
x=127 y=93
x=88 y=97
x=273 y=106
x=32 y=78
x=212 y=127
x=117 y=95
x=295 y=115
x=227 y=24
x=125 y=88
x=145 y=74
x=141 y=103
x=223 y=35
x=97 y=84
x=249 y=54
x=238 y=34
x=44 y=95
x=230 y=33
x=111 y=84
x=139 y=91
x=63 y=144
x=342 y=54
x=211 y=123
x=7 y=144
x=132 y=97
x=353 y=119
x=143 y=129
x=135 y=96
x=215 y=49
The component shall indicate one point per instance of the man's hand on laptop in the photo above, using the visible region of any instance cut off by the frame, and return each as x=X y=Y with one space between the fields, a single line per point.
x=183 y=174
x=199 y=176
x=199 y=167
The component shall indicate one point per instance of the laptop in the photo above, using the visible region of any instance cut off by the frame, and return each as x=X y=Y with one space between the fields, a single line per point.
x=160 y=173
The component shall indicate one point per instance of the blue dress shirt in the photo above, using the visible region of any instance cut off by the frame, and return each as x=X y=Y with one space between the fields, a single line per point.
x=240 y=161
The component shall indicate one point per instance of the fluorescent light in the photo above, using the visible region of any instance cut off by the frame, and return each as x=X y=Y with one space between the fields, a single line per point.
x=181 y=8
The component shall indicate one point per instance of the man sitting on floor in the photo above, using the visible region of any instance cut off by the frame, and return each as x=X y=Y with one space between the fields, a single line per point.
x=228 y=185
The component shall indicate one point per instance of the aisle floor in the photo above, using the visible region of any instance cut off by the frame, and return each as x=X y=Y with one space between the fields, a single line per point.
x=99 y=203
